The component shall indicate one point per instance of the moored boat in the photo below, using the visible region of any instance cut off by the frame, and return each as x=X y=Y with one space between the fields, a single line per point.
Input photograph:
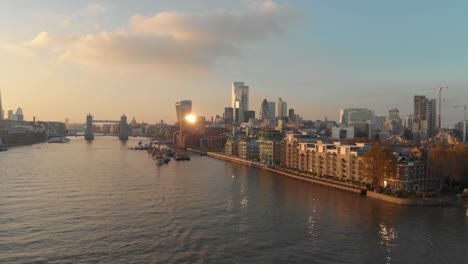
x=179 y=157
x=59 y=140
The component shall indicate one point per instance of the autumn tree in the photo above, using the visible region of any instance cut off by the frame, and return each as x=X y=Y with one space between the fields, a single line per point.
x=458 y=156
x=438 y=161
x=450 y=164
x=379 y=163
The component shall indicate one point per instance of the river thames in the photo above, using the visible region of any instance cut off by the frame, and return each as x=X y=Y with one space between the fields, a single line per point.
x=102 y=203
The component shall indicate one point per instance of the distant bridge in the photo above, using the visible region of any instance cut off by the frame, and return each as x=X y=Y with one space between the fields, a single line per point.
x=106 y=121
x=95 y=135
x=123 y=127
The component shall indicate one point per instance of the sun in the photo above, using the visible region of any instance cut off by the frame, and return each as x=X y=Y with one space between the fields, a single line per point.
x=191 y=118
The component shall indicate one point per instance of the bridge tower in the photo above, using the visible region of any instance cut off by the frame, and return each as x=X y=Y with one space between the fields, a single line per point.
x=123 y=134
x=89 y=127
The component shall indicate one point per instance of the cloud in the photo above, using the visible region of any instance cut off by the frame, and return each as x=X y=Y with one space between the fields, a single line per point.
x=172 y=40
x=66 y=22
x=41 y=40
x=94 y=9
x=19 y=50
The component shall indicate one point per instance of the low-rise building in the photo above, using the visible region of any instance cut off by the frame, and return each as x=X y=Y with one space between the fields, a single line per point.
x=335 y=160
x=270 y=147
x=342 y=132
x=212 y=143
x=290 y=149
x=248 y=149
x=230 y=148
x=323 y=159
x=413 y=173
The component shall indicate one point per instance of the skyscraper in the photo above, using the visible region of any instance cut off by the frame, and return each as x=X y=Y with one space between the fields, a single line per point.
x=424 y=118
x=19 y=114
x=409 y=122
x=272 y=108
x=379 y=122
x=292 y=116
x=183 y=108
x=240 y=100
x=264 y=110
x=1 y=107
x=393 y=124
x=228 y=114
x=249 y=115
x=394 y=115
x=282 y=108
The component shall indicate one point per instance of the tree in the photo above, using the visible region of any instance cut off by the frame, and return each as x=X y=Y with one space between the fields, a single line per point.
x=379 y=163
x=458 y=156
x=438 y=162
x=450 y=164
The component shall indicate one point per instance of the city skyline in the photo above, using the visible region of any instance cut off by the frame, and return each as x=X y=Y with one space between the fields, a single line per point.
x=59 y=61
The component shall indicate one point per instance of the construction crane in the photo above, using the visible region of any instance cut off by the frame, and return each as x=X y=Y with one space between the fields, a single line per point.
x=464 y=122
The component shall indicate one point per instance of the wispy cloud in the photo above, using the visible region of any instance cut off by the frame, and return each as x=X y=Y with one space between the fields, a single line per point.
x=170 y=40
x=94 y=9
x=65 y=22
x=41 y=40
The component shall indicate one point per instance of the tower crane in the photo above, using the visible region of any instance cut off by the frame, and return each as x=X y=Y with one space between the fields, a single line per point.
x=464 y=122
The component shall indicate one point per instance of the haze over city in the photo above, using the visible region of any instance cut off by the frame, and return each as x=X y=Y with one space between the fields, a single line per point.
x=63 y=59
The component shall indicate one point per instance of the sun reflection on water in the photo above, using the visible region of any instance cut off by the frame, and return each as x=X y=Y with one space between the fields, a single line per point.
x=388 y=236
x=312 y=225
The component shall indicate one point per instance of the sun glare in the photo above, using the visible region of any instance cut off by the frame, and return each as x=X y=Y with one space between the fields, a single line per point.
x=190 y=118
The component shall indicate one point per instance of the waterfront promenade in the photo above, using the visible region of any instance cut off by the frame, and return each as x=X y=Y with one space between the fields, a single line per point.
x=336 y=185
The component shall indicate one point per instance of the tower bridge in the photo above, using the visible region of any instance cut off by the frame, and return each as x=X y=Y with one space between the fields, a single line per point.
x=123 y=126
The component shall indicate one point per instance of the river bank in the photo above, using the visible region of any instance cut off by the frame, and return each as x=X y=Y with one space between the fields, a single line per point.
x=7 y=146
x=339 y=186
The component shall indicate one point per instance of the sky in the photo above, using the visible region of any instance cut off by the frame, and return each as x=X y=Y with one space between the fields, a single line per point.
x=65 y=59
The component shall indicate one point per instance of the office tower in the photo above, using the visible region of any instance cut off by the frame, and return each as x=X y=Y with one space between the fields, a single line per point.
x=285 y=109
x=409 y=122
x=394 y=115
x=292 y=116
x=19 y=114
x=379 y=121
x=360 y=115
x=282 y=108
x=240 y=100
x=424 y=118
x=362 y=119
x=1 y=107
x=264 y=111
x=16 y=117
x=393 y=124
x=343 y=117
x=229 y=114
x=183 y=109
x=351 y=115
x=279 y=112
x=249 y=115
x=272 y=108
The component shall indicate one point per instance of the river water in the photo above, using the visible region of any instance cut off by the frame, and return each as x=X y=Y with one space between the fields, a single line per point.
x=102 y=203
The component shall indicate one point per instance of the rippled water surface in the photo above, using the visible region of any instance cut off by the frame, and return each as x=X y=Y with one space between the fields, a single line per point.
x=102 y=203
